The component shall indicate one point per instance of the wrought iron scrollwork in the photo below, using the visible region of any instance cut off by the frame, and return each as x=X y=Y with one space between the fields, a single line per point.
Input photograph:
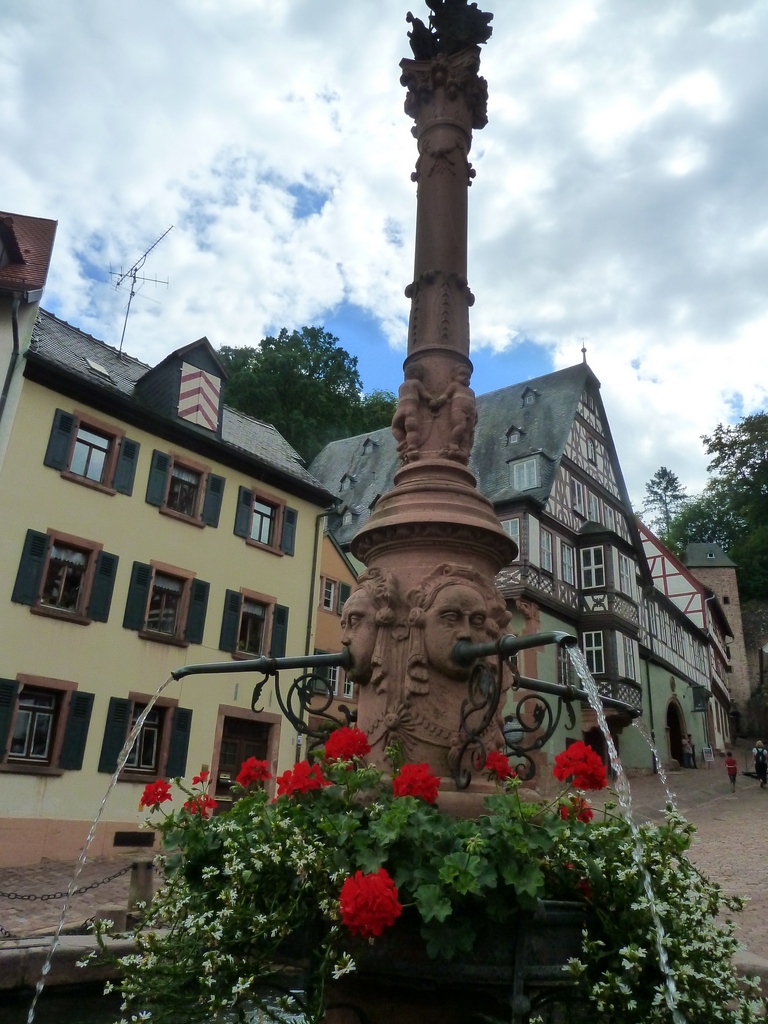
x=477 y=712
x=533 y=720
x=309 y=694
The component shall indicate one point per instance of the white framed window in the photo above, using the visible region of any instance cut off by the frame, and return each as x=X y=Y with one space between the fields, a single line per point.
x=347 y=689
x=592 y=568
x=626 y=572
x=629 y=657
x=577 y=496
x=513 y=437
x=591 y=451
x=592 y=645
x=568 y=564
x=512 y=528
x=329 y=595
x=524 y=475
x=593 y=507
x=610 y=517
x=545 y=550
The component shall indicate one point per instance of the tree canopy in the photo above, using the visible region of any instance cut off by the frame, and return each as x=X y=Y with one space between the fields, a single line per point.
x=733 y=509
x=307 y=386
x=664 y=497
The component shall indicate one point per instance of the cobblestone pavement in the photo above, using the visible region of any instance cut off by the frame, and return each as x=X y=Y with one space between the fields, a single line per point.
x=729 y=847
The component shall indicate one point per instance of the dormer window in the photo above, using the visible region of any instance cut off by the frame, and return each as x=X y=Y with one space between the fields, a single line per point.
x=524 y=475
x=346 y=482
x=529 y=396
x=591 y=451
x=368 y=446
x=199 y=397
x=514 y=435
x=346 y=519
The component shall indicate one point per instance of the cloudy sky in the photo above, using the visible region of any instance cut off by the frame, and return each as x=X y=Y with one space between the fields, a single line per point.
x=620 y=200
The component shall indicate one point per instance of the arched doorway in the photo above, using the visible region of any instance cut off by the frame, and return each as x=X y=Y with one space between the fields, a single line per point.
x=675 y=731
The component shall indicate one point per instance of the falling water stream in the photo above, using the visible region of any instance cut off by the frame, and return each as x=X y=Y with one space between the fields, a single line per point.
x=642 y=728
x=121 y=762
x=625 y=800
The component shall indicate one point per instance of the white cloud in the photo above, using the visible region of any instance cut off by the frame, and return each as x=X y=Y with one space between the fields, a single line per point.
x=620 y=195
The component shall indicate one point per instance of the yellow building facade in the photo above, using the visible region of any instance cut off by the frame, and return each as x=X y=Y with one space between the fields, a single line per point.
x=146 y=526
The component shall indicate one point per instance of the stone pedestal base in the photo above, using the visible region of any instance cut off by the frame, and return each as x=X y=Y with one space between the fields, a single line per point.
x=355 y=1002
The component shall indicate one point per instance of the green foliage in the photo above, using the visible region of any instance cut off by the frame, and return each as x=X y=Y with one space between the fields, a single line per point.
x=664 y=497
x=250 y=905
x=733 y=509
x=307 y=386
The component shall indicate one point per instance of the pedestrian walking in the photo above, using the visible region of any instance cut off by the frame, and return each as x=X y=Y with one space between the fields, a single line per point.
x=732 y=767
x=760 y=757
x=687 y=751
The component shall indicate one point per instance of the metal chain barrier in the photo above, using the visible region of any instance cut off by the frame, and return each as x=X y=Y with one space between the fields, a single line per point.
x=61 y=895
x=31 y=897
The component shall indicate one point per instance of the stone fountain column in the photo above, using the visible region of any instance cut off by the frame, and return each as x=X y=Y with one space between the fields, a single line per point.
x=433 y=544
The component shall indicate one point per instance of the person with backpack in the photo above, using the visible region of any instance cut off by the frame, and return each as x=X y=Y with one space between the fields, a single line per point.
x=760 y=756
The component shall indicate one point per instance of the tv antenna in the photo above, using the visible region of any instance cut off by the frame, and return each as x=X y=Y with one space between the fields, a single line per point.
x=133 y=275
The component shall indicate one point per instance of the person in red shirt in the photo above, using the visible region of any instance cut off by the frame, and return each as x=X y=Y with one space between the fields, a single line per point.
x=732 y=768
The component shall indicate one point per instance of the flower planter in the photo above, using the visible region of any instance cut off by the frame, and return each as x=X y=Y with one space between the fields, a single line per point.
x=396 y=980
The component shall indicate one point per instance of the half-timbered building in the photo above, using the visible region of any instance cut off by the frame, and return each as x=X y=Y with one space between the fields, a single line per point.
x=544 y=455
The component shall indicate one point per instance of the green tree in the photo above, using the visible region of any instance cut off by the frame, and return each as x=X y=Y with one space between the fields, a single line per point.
x=664 y=497
x=732 y=511
x=307 y=386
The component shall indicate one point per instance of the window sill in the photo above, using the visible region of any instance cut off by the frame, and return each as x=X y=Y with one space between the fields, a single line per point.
x=56 y=613
x=140 y=778
x=85 y=482
x=244 y=656
x=163 y=638
x=264 y=547
x=182 y=517
x=26 y=768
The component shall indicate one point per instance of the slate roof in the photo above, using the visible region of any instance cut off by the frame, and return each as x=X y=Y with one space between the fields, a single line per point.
x=77 y=356
x=28 y=242
x=544 y=428
x=706 y=556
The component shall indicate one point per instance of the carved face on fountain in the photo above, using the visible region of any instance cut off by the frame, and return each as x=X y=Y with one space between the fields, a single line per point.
x=459 y=612
x=368 y=615
x=358 y=633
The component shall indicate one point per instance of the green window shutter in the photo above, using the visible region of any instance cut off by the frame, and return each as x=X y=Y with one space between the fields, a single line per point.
x=138 y=596
x=125 y=470
x=279 y=631
x=60 y=440
x=8 y=690
x=103 y=585
x=230 y=620
x=344 y=591
x=288 y=540
x=198 y=604
x=115 y=733
x=176 y=764
x=244 y=512
x=76 y=732
x=158 y=478
x=26 y=589
x=214 y=492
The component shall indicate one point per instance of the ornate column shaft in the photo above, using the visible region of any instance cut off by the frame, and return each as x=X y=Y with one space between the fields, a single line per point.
x=433 y=544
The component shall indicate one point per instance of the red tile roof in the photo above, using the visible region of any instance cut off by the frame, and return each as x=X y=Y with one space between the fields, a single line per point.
x=28 y=241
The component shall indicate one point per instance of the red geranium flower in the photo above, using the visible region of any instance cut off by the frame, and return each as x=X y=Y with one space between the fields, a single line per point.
x=498 y=767
x=416 y=780
x=344 y=744
x=201 y=778
x=581 y=765
x=577 y=809
x=369 y=903
x=155 y=793
x=584 y=888
x=252 y=770
x=301 y=779
x=202 y=805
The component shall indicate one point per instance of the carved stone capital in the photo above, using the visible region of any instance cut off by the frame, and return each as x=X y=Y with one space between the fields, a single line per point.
x=447 y=87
